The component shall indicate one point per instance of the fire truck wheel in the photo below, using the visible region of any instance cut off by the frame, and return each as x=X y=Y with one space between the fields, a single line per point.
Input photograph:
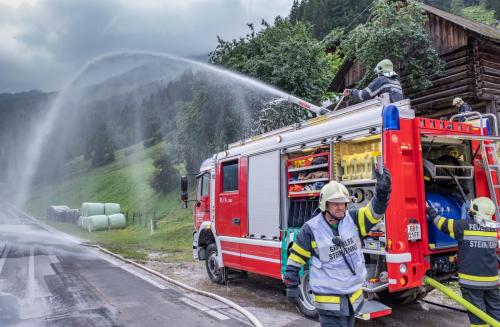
x=215 y=273
x=305 y=305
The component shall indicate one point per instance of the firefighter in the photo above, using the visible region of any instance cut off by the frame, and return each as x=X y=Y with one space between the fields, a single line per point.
x=477 y=259
x=332 y=240
x=462 y=107
x=387 y=81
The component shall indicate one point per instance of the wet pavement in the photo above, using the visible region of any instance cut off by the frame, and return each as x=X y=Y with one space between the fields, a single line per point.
x=47 y=279
x=264 y=297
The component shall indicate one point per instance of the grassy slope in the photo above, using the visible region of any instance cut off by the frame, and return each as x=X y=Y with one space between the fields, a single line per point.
x=124 y=181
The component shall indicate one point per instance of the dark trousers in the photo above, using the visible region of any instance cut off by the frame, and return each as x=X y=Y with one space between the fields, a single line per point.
x=336 y=321
x=486 y=300
x=332 y=318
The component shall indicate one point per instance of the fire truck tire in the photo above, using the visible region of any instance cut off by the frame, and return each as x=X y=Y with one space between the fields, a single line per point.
x=305 y=305
x=216 y=274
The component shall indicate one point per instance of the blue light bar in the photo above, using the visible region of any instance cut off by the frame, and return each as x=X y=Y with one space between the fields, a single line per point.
x=390 y=118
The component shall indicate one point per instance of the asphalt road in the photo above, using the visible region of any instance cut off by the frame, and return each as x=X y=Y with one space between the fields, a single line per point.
x=47 y=279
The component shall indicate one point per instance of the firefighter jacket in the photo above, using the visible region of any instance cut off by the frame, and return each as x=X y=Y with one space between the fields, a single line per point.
x=477 y=259
x=464 y=108
x=333 y=283
x=380 y=85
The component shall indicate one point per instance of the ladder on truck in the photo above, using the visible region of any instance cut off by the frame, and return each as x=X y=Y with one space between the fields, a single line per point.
x=485 y=145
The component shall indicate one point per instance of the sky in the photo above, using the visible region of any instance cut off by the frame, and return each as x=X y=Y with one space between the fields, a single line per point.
x=43 y=43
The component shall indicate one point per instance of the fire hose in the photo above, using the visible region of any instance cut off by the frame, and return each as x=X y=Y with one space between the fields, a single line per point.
x=460 y=300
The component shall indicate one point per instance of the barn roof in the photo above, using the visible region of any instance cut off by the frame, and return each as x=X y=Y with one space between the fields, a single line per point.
x=479 y=28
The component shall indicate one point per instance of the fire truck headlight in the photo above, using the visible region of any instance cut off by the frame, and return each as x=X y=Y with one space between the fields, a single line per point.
x=402 y=268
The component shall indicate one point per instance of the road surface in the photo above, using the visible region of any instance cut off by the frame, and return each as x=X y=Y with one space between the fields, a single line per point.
x=47 y=279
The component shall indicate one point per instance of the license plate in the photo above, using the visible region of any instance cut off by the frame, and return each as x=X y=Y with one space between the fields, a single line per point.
x=414 y=232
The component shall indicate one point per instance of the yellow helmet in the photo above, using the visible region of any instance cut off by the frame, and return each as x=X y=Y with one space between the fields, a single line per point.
x=333 y=192
x=384 y=67
x=482 y=207
x=458 y=102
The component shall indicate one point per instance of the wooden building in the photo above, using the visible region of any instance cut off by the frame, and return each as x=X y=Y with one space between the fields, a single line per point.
x=471 y=51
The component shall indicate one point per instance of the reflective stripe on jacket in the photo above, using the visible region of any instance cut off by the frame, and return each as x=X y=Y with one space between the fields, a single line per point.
x=477 y=259
x=329 y=271
x=380 y=85
x=309 y=246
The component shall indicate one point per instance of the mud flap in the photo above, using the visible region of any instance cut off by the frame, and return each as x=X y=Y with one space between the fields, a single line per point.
x=372 y=309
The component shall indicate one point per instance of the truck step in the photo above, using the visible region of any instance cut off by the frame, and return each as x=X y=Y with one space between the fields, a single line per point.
x=372 y=309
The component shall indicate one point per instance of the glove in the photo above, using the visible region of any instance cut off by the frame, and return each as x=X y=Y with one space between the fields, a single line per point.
x=293 y=294
x=431 y=212
x=383 y=182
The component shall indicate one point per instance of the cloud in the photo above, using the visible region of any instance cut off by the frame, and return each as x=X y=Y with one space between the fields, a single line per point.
x=44 y=42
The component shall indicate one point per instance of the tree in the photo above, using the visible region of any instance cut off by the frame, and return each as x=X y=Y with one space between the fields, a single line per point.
x=479 y=14
x=165 y=176
x=326 y=15
x=101 y=146
x=395 y=31
x=284 y=55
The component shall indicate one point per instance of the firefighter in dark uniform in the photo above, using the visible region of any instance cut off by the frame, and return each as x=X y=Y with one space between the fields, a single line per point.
x=477 y=258
x=387 y=81
x=332 y=241
x=462 y=107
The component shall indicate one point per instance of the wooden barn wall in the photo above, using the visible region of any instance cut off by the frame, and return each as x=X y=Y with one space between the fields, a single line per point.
x=472 y=72
x=457 y=81
x=445 y=35
x=487 y=69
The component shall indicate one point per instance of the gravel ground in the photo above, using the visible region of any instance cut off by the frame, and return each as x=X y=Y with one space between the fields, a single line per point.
x=264 y=297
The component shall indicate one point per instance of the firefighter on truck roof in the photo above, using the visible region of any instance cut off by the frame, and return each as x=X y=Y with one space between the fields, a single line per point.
x=477 y=258
x=387 y=81
x=332 y=240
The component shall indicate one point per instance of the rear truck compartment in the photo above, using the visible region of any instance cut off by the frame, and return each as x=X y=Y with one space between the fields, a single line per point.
x=252 y=199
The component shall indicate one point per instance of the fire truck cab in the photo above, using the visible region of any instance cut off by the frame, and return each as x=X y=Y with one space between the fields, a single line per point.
x=252 y=199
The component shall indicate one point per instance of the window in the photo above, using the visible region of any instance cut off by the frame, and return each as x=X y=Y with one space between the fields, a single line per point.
x=230 y=176
x=205 y=184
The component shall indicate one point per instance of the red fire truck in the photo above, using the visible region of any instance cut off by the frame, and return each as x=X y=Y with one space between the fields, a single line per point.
x=252 y=198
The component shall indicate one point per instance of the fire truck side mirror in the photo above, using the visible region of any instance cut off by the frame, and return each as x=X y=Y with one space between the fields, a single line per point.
x=184 y=191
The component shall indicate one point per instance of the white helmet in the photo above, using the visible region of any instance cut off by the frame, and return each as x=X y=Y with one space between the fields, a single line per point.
x=333 y=192
x=483 y=209
x=458 y=102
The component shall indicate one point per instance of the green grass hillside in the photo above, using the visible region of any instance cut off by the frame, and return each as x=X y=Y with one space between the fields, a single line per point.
x=125 y=181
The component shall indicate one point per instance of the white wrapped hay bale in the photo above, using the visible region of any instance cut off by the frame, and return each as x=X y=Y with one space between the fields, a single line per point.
x=117 y=221
x=97 y=222
x=111 y=208
x=92 y=209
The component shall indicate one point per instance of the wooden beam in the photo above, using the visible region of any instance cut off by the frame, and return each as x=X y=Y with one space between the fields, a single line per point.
x=462 y=52
x=467 y=82
x=491 y=64
x=459 y=91
x=490 y=71
x=489 y=46
x=488 y=93
x=456 y=62
x=488 y=56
